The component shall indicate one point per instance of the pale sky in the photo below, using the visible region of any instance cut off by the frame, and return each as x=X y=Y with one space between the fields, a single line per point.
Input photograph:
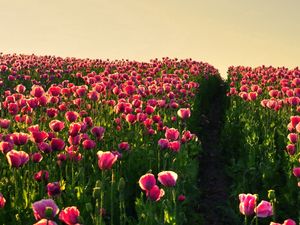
x=220 y=32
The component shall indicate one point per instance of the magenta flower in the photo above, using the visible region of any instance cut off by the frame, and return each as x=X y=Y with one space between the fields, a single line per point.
x=175 y=146
x=70 y=215
x=17 y=158
x=2 y=201
x=293 y=138
x=57 y=144
x=71 y=116
x=19 y=138
x=184 y=113
x=286 y=222
x=39 y=136
x=88 y=144
x=172 y=134
x=289 y=222
x=98 y=132
x=4 y=123
x=163 y=143
x=264 y=209
x=40 y=207
x=167 y=178
x=181 y=198
x=13 y=108
x=53 y=189
x=124 y=146
x=74 y=129
x=5 y=146
x=36 y=157
x=41 y=175
x=247 y=204
x=37 y=91
x=147 y=181
x=155 y=194
x=56 y=125
x=291 y=149
x=54 y=90
x=296 y=172
x=106 y=160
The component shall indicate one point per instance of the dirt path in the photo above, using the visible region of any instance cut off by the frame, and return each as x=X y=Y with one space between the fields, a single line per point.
x=213 y=181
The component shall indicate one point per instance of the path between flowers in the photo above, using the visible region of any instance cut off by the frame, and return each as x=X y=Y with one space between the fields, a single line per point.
x=213 y=182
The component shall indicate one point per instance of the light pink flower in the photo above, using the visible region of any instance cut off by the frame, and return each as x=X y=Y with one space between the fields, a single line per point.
x=184 y=113
x=264 y=209
x=147 y=181
x=167 y=178
x=247 y=204
x=40 y=207
x=106 y=160
x=17 y=158
x=69 y=215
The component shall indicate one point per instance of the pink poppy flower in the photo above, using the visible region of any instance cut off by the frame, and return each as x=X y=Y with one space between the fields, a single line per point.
x=88 y=144
x=74 y=129
x=39 y=136
x=36 y=157
x=147 y=182
x=293 y=137
x=181 y=198
x=20 y=88
x=56 y=125
x=41 y=175
x=124 y=146
x=71 y=116
x=106 y=160
x=175 y=146
x=163 y=143
x=44 y=147
x=172 y=134
x=70 y=215
x=296 y=172
x=289 y=222
x=2 y=201
x=37 y=91
x=53 y=189
x=19 y=138
x=247 y=204
x=39 y=208
x=264 y=209
x=4 y=123
x=6 y=146
x=291 y=149
x=54 y=90
x=57 y=144
x=17 y=158
x=184 y=113
x=286 y=222
x=155 y=194
x=98 y=132
x=13 y=108
x=167 y=178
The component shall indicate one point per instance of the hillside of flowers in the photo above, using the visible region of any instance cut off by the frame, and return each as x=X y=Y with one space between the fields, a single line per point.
x=109 y=142
x=263 y=117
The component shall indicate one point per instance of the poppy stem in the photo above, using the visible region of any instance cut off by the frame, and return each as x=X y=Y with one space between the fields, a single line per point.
x=102 y=196
x=112 y=198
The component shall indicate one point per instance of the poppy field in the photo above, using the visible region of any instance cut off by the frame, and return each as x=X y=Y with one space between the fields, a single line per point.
x=88 y=141
x=98 y=142
x=263 y=116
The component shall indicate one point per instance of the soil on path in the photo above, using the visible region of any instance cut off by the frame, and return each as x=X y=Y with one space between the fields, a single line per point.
x=213 y=182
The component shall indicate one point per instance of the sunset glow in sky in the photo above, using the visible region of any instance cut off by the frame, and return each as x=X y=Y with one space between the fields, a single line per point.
x=220 y=32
